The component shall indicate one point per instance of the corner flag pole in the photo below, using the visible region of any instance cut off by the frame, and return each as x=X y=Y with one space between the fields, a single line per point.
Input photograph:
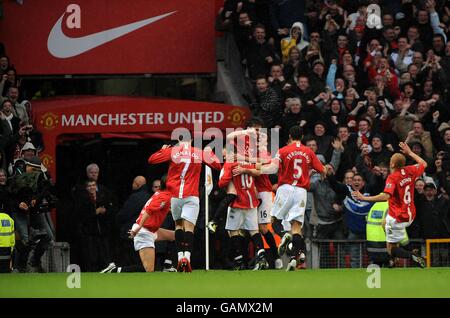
x=208 y=189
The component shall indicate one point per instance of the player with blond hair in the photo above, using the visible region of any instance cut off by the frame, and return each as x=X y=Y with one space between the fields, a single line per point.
x=399 y=191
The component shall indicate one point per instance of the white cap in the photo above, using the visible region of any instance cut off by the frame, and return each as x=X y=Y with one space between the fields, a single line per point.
x=28 y=146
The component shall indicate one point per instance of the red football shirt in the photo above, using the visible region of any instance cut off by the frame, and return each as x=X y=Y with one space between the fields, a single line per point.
x=400 y=185
x=157 y=207
x=295 y=161
x=244 y=184
x=185 y=168
x=263 y=183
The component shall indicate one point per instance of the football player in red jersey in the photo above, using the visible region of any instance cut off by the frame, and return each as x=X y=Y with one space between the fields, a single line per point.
x=242 y=214
x=292 y=163
x=399 y=191
x=183 y=182
x=265 y=196
x=146 y=231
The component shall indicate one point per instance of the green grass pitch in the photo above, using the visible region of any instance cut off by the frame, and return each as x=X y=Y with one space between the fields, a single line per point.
x=400 y=282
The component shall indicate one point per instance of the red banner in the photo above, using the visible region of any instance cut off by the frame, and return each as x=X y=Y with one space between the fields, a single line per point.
x=109 y=36
x=126 y=117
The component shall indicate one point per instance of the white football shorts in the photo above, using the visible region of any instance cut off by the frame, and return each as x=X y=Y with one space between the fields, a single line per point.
x=185 y=208
x=144 y=238
x=290 y=203
x=395 y=231
x=242 y=219
x=265 y=208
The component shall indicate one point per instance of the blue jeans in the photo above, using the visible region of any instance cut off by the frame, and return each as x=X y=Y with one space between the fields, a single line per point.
x=356 y=250
x=27 y=226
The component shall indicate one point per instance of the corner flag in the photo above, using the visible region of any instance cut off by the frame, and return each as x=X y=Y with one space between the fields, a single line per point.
x=208 y=189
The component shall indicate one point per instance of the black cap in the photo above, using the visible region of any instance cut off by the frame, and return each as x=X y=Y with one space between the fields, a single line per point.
x=430 y=185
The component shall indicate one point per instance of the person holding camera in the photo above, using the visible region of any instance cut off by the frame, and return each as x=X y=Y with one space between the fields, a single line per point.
x=32 y=197
x=295 y=38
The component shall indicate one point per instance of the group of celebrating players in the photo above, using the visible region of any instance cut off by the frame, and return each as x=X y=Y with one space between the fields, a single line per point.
x=249 y=205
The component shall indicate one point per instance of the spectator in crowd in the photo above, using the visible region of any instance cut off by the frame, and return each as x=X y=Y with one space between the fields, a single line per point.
x=432 y=212
x=413 y=37
x=4 y=193
x=336 y=116
x=374 y=174
x=313 y=52
x=322 y=139
x=377 y=152
x=433 y=219
x=259 y=54
x=444 y=142
x=327 y=213
x=354 y=212
x=10 y=130
x=304 y=91
x=283 y=14
x=93 y=173
x=95 y=214
x=267 y=105
x=27 y=151
x=418 y=134
x=156 y=185
x=18 y=109
x=295 y=38
x=243 y=31
x=291 y=66
x=4 y=64
x=403 y=56
x=277 y=81
x=420 y=186
x=293 y=116
x=327 y=207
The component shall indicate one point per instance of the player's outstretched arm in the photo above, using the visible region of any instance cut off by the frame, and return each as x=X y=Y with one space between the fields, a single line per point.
x=407 y=151
x=210 y=159
x=238 y=170
x=271 y=168
x=239 y=133
x=162 y=155
x=375 y=198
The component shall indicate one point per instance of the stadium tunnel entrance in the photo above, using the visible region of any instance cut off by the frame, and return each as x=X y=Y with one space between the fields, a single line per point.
x=117 y=133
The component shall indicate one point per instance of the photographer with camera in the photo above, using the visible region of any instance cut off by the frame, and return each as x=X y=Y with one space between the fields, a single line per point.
x=32 y=197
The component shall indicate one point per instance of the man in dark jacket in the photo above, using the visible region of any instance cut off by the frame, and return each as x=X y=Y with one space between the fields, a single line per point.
x=259 y=55
x=95 y=213
x=267 y=105
x=432 y=213
x=434 y=220
x=127 y=216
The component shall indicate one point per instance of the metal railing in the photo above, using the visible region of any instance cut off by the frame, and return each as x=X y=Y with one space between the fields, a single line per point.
x=349 y=254
x=438 y=252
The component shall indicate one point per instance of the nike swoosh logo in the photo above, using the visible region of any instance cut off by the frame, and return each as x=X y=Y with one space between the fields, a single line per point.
x=61 y=46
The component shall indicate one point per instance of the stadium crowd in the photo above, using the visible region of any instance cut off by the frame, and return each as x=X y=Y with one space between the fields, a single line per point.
x=357 y=85
x=357 y=88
